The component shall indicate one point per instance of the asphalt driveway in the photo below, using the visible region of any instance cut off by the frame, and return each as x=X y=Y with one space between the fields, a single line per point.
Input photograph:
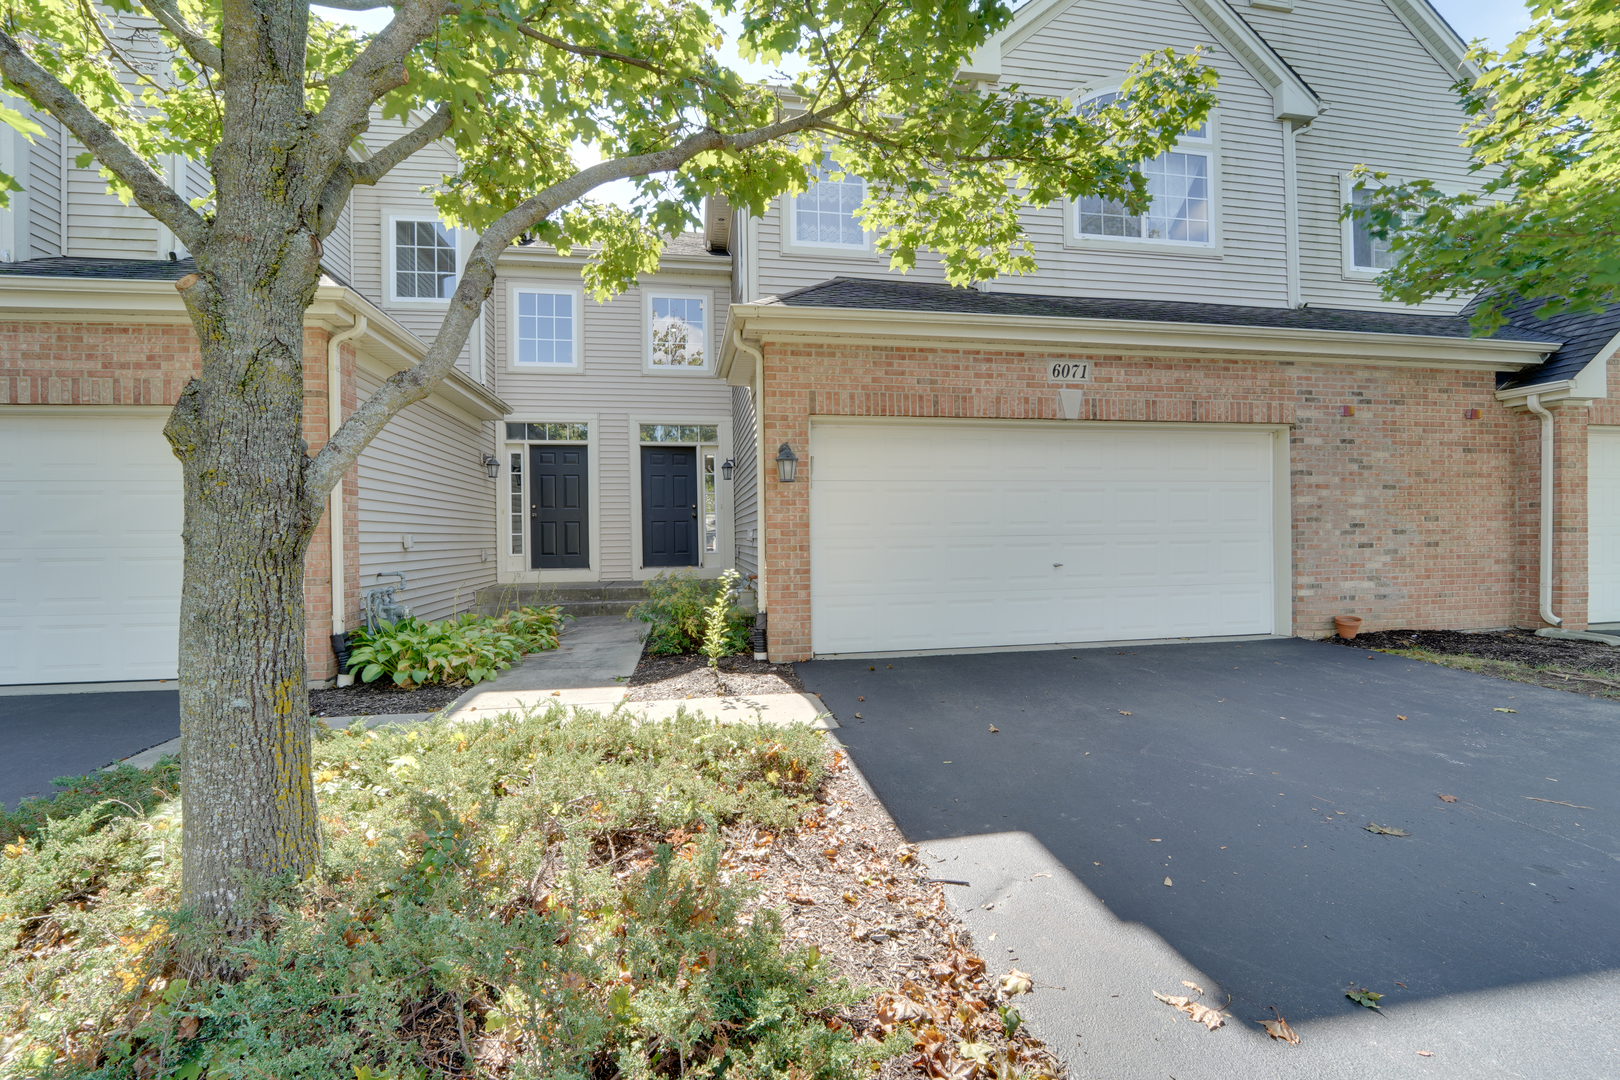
x=1246 y=773
x=51 y=735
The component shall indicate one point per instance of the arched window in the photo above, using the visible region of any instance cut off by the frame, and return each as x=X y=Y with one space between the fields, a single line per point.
x=824 y=215
x=1180 y=182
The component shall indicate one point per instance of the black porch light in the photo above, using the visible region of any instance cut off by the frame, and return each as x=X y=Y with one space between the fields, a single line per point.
x=725 y=470
x=787 y=464
x=492 y=465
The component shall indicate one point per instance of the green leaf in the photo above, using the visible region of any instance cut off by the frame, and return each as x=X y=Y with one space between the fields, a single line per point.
x=1363 y=996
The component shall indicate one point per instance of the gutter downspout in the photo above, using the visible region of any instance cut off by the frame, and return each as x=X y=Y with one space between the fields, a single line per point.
x=1544 y=570
x=1290 y=163
x=334 y=505
x=758 y=390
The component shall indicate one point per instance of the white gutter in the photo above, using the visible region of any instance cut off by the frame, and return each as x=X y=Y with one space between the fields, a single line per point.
x=1544 y=570
x=334 y=505
x=759 y=458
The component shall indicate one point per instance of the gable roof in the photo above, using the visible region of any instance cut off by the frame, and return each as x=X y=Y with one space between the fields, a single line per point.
x=888 y=295
x=1586 y=336
x=114 y=269
x=1292 y=98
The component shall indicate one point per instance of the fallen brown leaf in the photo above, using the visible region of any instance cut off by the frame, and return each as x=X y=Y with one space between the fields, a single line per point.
x=188 y=1027
x=1199 y=1014
x=1398 y=716
x=1122 y=712
x=1194 y=987
x=1402 y=985
x=994 y=730
x=793 y=899
x=1448 y=798
x=1279 y=1029
x=1385 y=830
x=1425 y=1053
x=1167 y=881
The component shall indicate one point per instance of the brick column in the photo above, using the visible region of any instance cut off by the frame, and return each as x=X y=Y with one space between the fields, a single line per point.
x=1569 y=554
x=787 y=509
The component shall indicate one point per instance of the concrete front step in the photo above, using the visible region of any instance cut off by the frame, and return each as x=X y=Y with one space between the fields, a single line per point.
x=578 y=599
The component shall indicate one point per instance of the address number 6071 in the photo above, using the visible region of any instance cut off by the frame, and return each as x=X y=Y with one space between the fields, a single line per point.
x=1068 y=371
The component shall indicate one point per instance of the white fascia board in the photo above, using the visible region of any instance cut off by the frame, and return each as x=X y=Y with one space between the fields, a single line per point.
x=1561 y=392
x=771 y=322
x=1291 y=99
x=1436 y=36
x=984 y=65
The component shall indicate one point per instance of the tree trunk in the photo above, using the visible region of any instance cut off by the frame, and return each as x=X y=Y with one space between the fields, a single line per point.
x=244 y=715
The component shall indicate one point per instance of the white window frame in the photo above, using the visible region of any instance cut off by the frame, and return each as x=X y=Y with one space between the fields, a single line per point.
x=515 y=568
x=577 y=293
x=647 y=296
x=1208 y=145
x=391 y=249
x=792 y=245
x=1347 y=230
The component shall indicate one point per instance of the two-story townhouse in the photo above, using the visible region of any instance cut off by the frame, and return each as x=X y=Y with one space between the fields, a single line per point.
x=1198 y=421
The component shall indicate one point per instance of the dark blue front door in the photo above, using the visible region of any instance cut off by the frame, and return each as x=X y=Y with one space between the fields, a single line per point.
x=669 y=506
x=558 y=505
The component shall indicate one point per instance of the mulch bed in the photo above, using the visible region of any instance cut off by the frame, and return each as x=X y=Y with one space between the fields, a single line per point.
x=850 y=885
x=381 y=698
x=664 y=678
x=1584 y=667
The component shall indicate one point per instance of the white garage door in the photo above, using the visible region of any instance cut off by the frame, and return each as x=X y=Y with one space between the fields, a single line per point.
x=90 y=512
x=1603 y=525
x=944 y=536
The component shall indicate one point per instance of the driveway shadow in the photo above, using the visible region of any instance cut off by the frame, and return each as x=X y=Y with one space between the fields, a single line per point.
x=1246 y=773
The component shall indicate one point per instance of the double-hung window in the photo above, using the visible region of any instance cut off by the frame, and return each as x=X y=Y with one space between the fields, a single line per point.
x=1364 y=253
x=424 y=259
x=824 y=215
x=545 y=329
x=677 y=331
x=1180 y=183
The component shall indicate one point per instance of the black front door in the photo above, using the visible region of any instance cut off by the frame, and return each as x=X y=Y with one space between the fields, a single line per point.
x=669 y=506
x=557 y=507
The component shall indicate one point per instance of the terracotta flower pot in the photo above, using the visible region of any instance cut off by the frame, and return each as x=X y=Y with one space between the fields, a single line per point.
x=1347 y=625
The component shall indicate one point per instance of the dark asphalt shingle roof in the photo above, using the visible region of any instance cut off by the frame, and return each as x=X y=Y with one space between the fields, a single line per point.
x=115 y=269
x=1583 y=336
x=889 y=295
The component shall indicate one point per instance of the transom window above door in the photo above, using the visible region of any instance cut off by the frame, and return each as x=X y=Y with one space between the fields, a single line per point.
x=1179 y=182
x=679 y=433
x=546 y=330
x=424 y=259
x=824 y=215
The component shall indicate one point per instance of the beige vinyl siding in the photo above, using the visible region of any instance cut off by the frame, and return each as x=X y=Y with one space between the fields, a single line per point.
x=613 y=391
x=1093 y=45
x=199 y=183
x=744 y=477
x=422 y=477
x=1392 y=109
x=400 y=192
x=99 y=225
x=45 y=190
x=337 y=253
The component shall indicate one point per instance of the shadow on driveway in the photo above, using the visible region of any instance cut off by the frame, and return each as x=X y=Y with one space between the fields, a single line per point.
x=1246 y=773
x=51 y=735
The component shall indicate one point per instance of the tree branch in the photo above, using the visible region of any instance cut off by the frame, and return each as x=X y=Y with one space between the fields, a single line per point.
x=407 y=387
x=153 y=195
x=195 y=42
x=349 y=173
x=379 y=68
x=353 y=5
x=593 y=53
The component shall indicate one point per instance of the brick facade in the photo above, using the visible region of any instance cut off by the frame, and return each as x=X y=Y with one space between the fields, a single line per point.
x=1404 y=512
x=80 y=363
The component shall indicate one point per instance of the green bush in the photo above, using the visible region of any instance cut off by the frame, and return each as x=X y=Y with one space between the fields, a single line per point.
x=466 y=649
x=533 y=897
x=675 y=608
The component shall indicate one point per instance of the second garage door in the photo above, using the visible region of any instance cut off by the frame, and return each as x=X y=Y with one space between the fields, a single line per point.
x=963 y=535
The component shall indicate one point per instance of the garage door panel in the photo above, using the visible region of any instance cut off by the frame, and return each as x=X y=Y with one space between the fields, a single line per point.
x=90 y=582
x=1158 y=534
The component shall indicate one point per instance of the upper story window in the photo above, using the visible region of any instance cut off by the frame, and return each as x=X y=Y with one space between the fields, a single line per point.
x=677 y=331
x=1368 y=253
x=1180 y=184
x=424 y=257
x=545 y=330
x=824 y=215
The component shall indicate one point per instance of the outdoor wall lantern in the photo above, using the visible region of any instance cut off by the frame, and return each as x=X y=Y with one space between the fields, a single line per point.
x=492 y=465
x=725 y=470
x=787 y=464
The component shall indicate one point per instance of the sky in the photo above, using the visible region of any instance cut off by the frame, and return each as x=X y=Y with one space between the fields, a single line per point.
x=1497 y=21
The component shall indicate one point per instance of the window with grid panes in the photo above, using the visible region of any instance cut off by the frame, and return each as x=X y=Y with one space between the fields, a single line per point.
x=424 y=260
